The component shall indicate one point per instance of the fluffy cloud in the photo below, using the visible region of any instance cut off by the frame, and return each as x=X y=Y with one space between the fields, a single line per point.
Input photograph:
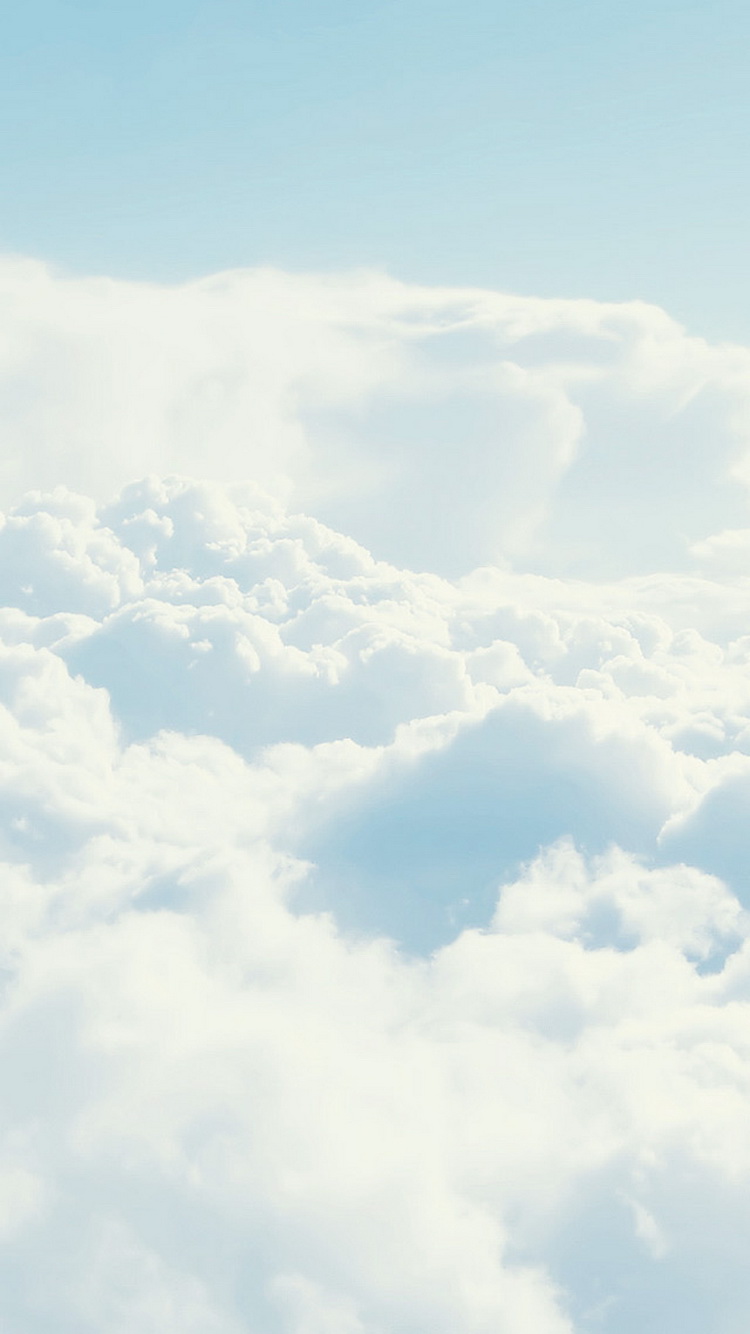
x=376 y=946
x=441 y=428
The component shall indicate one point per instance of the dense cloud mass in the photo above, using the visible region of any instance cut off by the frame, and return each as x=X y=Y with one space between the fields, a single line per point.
x=441 y=428
x=376 y=953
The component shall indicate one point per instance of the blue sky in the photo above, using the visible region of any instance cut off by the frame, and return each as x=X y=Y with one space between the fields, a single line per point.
x=553 y=149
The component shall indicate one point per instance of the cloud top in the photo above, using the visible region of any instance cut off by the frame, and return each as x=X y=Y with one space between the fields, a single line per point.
x=443 y=429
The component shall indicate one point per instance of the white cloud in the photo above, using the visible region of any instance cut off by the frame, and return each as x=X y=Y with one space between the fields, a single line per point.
x=375 y=944
x=442 y=429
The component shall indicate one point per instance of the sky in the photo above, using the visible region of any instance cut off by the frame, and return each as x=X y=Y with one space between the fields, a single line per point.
x=374 y=670
x=558 y=150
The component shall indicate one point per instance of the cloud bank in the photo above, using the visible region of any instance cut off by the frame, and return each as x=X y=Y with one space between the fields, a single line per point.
x=443 y=429
x=376 y=949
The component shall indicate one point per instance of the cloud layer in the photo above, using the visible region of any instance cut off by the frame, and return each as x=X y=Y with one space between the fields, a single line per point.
x=376 y=949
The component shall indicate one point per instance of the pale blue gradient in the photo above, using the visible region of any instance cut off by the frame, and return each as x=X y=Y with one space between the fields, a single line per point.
x=573 y=149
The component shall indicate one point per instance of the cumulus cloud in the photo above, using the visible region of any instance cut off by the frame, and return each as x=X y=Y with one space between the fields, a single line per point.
x=441 y=428
x=376 y=924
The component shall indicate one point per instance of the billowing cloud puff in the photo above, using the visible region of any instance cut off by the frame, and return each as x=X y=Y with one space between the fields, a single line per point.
x=376 y=944
x=443 y=429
